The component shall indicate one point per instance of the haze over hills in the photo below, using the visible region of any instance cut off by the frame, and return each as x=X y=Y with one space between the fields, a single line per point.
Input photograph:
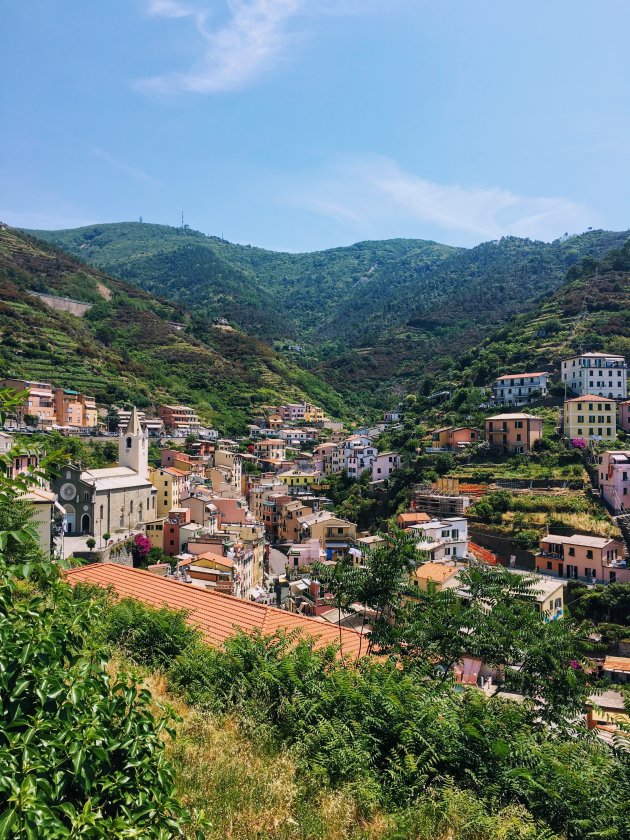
x=126 y=347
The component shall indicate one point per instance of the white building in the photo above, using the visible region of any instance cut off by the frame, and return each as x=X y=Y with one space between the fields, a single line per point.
x=450 y=532
x=519 y=388
x=359 y=459
x=113 y=499
x=384 y=465
x=602 y=374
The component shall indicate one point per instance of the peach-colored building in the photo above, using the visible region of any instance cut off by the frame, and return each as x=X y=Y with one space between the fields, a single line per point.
x=624 y=415
x=454 y=437
x=181 y=418
x=39 y=401
x=272 y=449
x=583 y=557
x=614 y=480
x=74 y=409
x=513 y=433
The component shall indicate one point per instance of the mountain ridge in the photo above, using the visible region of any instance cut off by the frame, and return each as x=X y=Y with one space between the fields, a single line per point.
x=131 y=347
x=368 y=318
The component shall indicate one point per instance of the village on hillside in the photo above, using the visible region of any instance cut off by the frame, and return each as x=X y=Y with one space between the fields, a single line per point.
x=259 y=517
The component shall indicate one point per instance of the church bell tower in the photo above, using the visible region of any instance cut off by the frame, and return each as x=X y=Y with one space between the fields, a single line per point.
x=133 y=446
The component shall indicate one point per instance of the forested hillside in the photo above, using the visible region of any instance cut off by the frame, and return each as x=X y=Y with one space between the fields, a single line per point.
x=367 y=317
x=591 y=311
x=127 y=349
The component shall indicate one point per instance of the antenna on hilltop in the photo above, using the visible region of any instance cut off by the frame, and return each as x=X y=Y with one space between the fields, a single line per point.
x=182 y=219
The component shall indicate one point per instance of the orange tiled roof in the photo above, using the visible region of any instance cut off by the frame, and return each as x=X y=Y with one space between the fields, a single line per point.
x=216 y=615
x=414 y=517
x=617 y=663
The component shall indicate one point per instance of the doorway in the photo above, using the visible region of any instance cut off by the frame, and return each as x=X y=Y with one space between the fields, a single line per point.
x=85 y=523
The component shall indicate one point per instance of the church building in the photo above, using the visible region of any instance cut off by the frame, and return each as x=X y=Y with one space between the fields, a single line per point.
x=112 y=499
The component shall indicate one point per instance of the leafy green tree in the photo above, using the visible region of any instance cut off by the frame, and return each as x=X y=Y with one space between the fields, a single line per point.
x=81 y=752
x=492 y=617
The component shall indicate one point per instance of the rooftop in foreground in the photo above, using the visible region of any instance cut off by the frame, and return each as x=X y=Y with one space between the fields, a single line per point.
x=217 y=616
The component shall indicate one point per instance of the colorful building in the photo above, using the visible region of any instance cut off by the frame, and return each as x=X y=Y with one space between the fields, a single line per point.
x=454 y=437
x=335 y=535
x=614 y=480
x=180 y=418
x=384 y=465
x=39 y=402
x=590 y=418
x=513 y=433
x=583 y=557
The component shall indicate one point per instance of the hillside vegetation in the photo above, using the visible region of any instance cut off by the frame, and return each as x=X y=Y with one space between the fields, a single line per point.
x=590 y=312
x=126 y=349
x=368 y=316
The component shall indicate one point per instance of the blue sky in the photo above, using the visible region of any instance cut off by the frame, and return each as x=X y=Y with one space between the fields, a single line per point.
x=305 y=124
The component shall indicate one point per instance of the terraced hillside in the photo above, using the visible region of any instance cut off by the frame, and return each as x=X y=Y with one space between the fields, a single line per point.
x=132 y=347
x=590 y=312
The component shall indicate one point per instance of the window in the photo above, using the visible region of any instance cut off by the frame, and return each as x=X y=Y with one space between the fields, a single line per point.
x=549 y=565
x=558 y=603
x=86 y=496
x=589 y=554
x=101 y=512
x=571 y=552
x=131 y=506
x=128 y=443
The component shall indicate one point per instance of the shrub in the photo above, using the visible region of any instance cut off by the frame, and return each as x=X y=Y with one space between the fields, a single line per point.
x=148 y=636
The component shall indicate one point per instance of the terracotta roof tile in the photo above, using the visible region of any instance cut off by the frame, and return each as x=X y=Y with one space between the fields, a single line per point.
x=216 y=615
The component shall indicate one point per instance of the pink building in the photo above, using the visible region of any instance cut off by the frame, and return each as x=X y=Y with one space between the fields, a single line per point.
x=292 y=412
x=384 y=465
x=614 y=480
x=624 y=415
x=232 y=511
x=583 y=557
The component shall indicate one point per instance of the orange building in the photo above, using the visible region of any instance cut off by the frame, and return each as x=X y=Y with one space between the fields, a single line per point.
x=454 y=437
x=181 y=418
x=583 y=557
x=74 y=409
x=39 y=402
x=513 y=433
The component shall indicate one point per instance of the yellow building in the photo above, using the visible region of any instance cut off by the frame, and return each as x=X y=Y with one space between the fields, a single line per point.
x=296 y=478
x=336 y=536
x=438 y=576
x=155 y=532
x=590 y=417
x=168 y=482
x=313 y=414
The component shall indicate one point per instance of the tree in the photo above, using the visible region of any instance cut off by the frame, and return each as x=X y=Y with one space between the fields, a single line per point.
x=493 y=617
x=81 y=752
x=31 y=419
x=91 y=543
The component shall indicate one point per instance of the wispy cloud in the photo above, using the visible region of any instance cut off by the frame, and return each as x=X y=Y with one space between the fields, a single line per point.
x=373 y=193
x=255 y=36
x=122 y=166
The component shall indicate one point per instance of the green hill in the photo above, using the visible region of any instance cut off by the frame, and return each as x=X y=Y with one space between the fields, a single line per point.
x=133 y=347
x=590 y=312
x=368 y=317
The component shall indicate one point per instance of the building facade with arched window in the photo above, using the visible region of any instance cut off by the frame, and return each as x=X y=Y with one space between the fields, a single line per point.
x=113 y=499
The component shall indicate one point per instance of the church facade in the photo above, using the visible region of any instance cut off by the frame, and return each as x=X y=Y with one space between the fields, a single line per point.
x=112 y=499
